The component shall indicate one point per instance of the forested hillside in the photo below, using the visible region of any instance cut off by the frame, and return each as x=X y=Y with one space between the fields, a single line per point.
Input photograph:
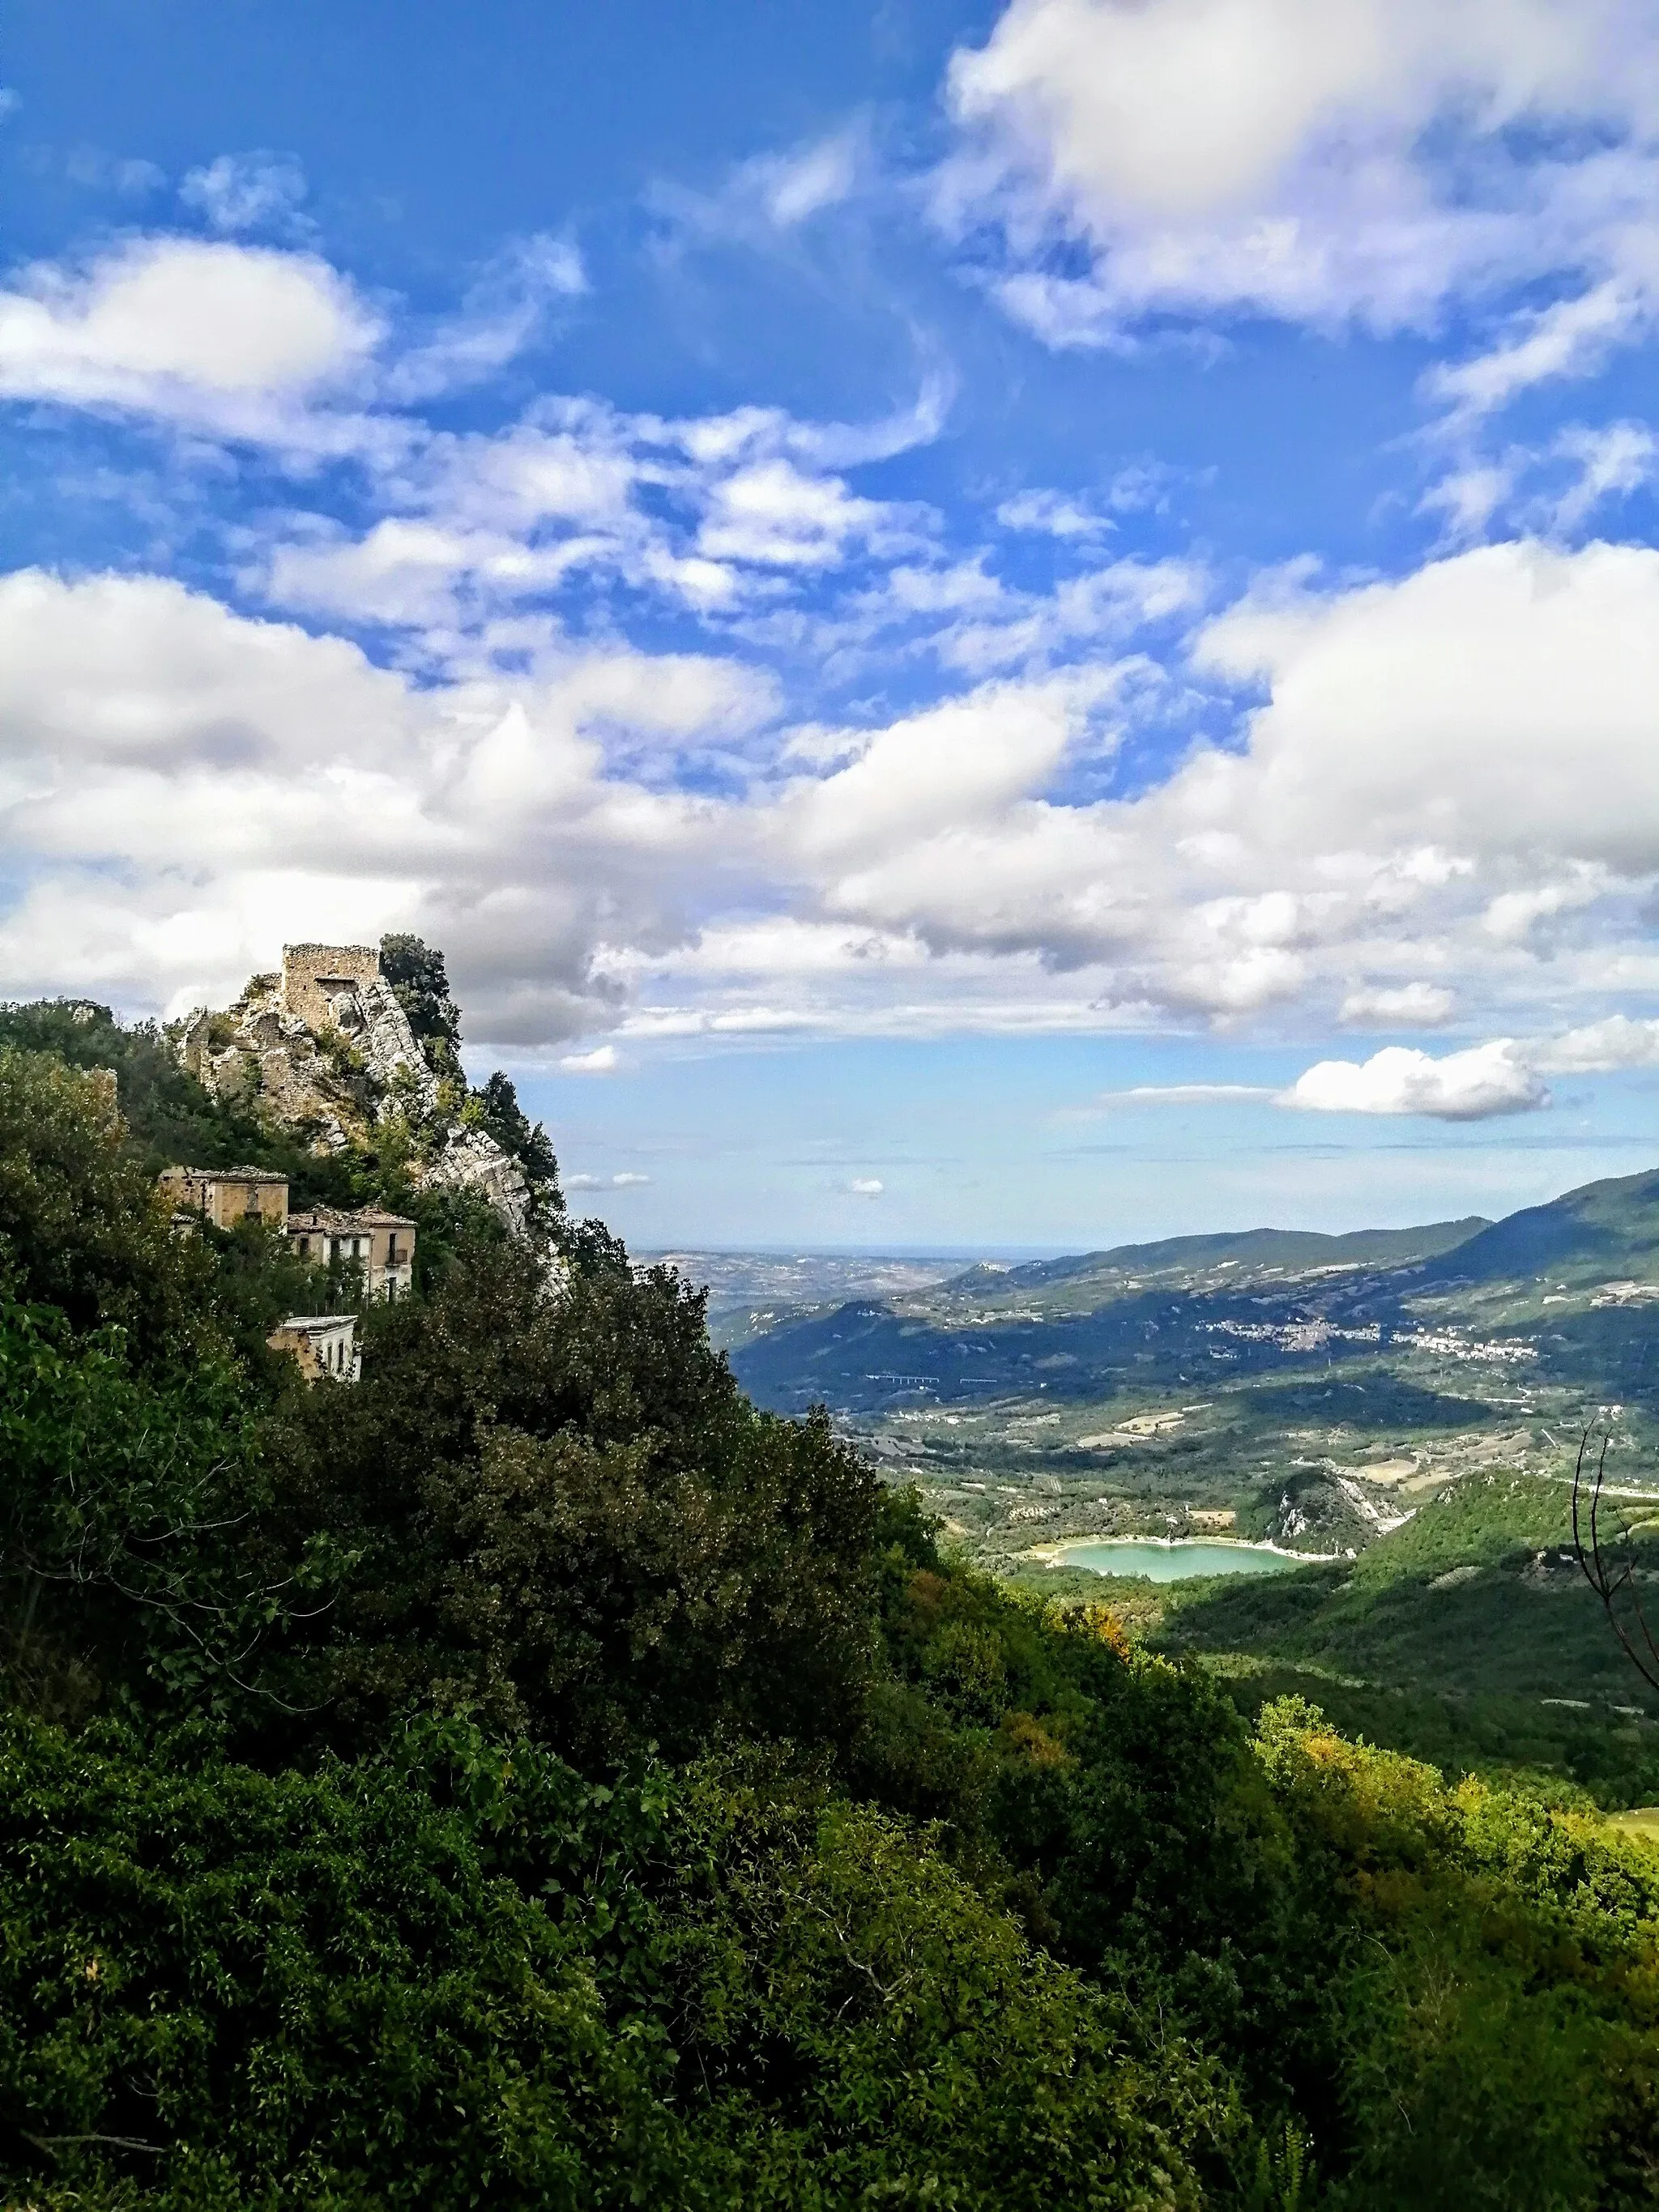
x=534 y=1776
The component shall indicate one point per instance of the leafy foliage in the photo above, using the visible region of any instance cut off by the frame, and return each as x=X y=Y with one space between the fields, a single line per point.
x=447 y=1975
x=565 y=1515
x=420 y=983
x=501 y=1114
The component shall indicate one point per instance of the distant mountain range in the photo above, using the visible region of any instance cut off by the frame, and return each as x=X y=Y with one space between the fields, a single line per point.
x=1600 y=1229
x=1283 y=1250
x=1095 y=1323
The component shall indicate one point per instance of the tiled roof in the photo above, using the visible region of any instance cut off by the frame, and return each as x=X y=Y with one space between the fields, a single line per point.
x=369 y=1217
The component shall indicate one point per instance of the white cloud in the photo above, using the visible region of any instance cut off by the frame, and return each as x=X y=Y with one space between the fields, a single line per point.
x=773 y=514
x=1183 y=1094
x=228 y=339
x=1473 y=1085
x=601 y=1061
x=1600 y=1047
x=794 y=186
x=1054 y=514
x=1397 y=1005
x=1318 y=160
x=1495 y=702
x=1448 y=785
x=1567 y=338
x=1612 y=461
x=623 y=1181
x=247 y=192
x=766 y=203
x=867 y=1187
x=1505 y=1076
x=509 y=305
x=709 y=513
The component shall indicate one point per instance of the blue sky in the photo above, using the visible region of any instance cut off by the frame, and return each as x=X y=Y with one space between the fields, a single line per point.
x=1004 y=625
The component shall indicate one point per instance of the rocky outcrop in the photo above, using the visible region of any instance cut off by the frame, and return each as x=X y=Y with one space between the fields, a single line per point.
x=325 y=1049
x=473 y=1161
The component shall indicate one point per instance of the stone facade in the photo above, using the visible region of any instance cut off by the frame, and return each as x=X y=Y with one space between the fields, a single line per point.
x=323 y=1344
x=315 y=977
x=382 y=1244
x=228 y=1196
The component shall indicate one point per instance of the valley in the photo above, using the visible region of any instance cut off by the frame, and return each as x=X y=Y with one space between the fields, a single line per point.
x=1397 y=1412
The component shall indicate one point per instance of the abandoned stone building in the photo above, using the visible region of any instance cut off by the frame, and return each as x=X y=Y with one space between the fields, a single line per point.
x=320 y=981
x=323 y=1050
x=324 y=1343
x=382 y=1244
x=228 y=1196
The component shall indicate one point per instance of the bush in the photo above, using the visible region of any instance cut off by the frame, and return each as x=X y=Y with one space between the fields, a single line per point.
x=456 y=1974
x=564 y=1514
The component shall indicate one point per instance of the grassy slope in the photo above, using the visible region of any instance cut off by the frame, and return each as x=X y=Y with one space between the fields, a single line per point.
x=1450 y=1639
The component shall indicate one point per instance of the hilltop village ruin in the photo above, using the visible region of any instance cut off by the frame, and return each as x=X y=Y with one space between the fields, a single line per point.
x=325 y=1049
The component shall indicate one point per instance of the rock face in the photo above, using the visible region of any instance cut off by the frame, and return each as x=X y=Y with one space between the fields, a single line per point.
x=473 y=1161
x=325 y=1049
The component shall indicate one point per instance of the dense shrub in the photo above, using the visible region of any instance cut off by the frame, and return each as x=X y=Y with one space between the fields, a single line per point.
x=563 y=1514
x=453 y=1975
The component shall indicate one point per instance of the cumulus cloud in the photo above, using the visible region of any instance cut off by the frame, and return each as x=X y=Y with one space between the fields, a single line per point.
x=1495 y=702
x=712 y=514
x=228 y=339
x=867 y=1187
x=1600 y=1047
x=1450 y=776
x=601 y=1061
x=1505 y=1076
x=1473 y=1085
x=1434 y=788
x=1322 y=161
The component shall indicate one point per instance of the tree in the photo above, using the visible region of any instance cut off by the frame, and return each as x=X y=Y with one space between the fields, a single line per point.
x=420 y=983
x=564 y=1513
x=527 y=1140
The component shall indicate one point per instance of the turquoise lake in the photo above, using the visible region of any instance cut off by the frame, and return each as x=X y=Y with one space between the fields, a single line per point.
x=1176 y=1562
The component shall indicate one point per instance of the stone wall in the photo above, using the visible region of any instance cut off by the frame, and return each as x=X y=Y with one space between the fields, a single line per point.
x=315 y=975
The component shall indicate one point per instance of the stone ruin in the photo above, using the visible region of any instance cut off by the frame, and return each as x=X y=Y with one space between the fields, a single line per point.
x=323 y=1048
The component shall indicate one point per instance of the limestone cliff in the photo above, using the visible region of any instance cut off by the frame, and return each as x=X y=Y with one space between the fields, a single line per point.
x=326 y=1051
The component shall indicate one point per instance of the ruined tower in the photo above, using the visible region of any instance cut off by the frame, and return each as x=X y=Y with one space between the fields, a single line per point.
x=314 y=976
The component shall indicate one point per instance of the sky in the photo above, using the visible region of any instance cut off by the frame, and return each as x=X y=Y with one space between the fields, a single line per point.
x=975 y=627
